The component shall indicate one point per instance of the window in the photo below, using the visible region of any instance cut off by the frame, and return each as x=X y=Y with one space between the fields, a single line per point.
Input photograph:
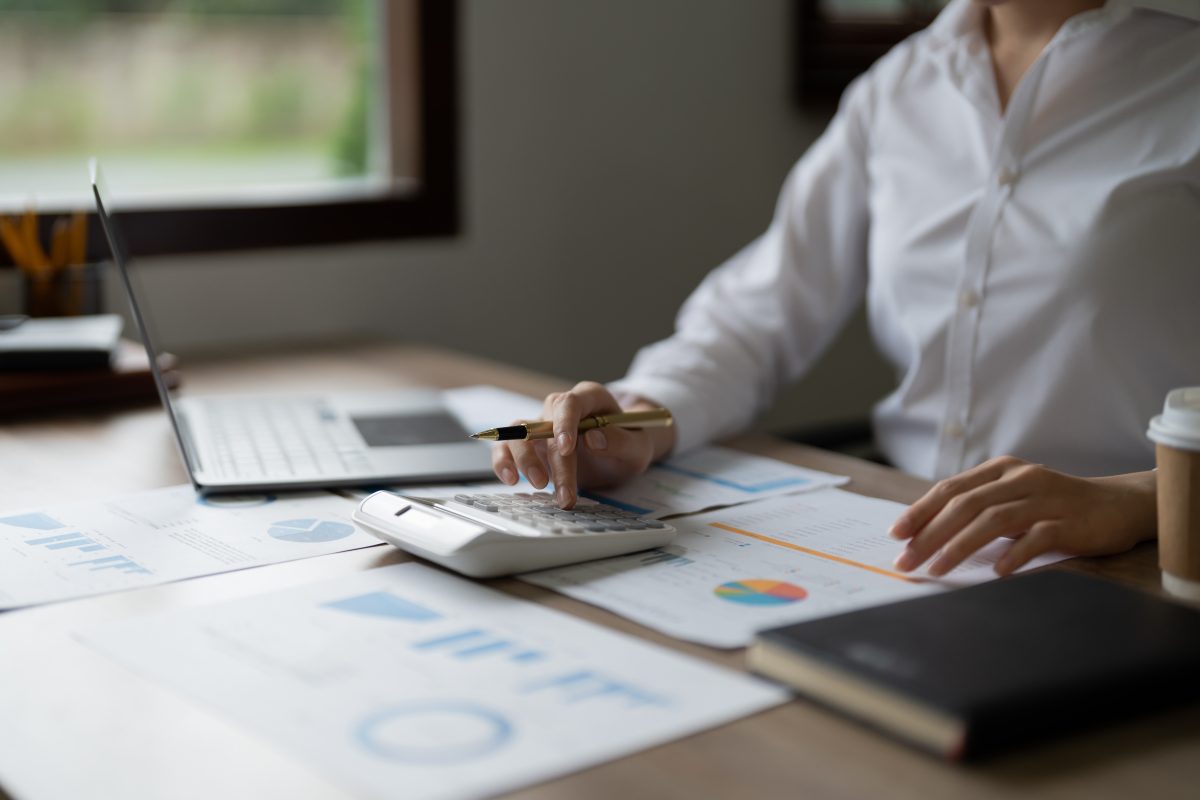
x=227 y=124
x=837 y=40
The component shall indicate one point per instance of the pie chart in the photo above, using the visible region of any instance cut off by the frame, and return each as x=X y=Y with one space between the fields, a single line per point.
x=310 y=530
x=760 y=592
x=433 y=732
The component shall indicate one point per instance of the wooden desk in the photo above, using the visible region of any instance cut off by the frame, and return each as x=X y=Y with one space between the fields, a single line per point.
x=49 y=682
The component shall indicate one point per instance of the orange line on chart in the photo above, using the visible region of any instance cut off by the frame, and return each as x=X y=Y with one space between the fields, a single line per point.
x=816 y=553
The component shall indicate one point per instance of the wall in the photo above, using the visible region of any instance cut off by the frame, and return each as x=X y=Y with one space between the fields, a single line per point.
x=614 y=151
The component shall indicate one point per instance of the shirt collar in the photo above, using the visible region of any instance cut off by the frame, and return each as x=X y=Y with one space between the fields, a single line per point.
x=961 y=22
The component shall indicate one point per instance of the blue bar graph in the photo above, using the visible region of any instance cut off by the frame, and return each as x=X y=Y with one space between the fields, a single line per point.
x=36 y=521
x=383 y=604
x=66 y=541
x=485 y=648
x=113 y=562
x=62 y=537
x=80 y=542
x=452 y=639
x=576 y=687
x=476 y=643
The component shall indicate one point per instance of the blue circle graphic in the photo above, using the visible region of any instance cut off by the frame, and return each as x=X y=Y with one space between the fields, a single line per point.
x=433 y=732
x=310 y=530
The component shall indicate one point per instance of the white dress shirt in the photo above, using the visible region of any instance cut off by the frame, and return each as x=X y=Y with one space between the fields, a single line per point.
x=1032 y=275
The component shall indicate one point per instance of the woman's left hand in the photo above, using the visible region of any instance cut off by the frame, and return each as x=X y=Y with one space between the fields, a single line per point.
x=1041 y=510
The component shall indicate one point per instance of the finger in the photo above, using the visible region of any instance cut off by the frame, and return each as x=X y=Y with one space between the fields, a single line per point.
x=991 y=523
x=556 y=471
x=919 y=514
x=585 y=399
x=955 y=515
x=566 y=410
x=563 y=471
x=1042 y=538
x=612 y=455
x=503 y=464
x=566 y=414
x=615 y=443
x=530 y=460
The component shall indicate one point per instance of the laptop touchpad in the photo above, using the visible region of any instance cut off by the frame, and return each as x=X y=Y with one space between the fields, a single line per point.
x=403 y=430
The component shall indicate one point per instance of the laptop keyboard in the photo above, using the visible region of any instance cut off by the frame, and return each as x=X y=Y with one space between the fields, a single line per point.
x=279 y=438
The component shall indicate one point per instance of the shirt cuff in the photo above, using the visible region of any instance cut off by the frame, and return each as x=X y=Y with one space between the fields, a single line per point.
x=690 y=418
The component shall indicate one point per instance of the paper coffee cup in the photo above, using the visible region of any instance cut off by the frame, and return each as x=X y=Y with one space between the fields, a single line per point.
x=1176 y=436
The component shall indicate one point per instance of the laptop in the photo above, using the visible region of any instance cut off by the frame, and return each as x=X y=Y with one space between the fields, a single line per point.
x=256 y=443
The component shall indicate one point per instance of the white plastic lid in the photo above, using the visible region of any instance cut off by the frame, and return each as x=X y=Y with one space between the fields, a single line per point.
x=1179 y=424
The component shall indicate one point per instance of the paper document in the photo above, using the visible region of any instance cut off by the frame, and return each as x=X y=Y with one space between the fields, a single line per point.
x=711 y=477
x=733 y=572
x=405 y=681
x=79 y=549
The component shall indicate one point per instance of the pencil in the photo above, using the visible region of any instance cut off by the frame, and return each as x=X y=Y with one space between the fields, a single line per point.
x=544 y=429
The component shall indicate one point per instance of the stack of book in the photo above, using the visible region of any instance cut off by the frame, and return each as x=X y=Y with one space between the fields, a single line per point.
x=74 y=364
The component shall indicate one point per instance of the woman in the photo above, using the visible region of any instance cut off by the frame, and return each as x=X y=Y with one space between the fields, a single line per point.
x=1016 y=193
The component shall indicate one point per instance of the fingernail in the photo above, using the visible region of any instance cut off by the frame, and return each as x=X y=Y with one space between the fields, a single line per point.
x=904 y=562
x=562 y=496
x=537 y=477
x=564 y=444
x=508 y=476
x=596 y=440
x=899 y=530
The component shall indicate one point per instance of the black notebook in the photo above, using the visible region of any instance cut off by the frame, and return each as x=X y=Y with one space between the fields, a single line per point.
x=61 y=343
x=985 y=669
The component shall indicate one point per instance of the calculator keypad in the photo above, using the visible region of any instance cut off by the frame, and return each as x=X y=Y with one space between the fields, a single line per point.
x=540 y=515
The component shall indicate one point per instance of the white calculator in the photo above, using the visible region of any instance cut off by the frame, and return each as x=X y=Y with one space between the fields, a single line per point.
x=485 y=535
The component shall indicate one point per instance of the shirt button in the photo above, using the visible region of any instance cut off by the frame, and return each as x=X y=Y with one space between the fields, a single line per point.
x=955 y=430
x=1006 y=176
x=968 y=299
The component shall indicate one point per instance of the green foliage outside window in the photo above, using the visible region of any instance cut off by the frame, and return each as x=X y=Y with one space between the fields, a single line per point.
x=241 y=91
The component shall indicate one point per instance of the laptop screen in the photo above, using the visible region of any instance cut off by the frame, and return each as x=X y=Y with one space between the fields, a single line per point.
x=120 y=254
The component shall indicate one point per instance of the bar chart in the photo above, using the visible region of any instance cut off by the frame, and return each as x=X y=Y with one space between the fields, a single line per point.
x=67 y=541
x=121 y=563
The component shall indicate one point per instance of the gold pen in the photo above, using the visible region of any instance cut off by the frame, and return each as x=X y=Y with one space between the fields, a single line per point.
x=544 y=429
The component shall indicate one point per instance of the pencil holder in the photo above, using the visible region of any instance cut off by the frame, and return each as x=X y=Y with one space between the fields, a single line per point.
x=68 y=292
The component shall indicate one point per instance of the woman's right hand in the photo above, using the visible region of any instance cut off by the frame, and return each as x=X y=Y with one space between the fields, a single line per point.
x=601 y=457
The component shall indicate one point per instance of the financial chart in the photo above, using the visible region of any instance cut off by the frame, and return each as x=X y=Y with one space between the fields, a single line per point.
x=407 y=676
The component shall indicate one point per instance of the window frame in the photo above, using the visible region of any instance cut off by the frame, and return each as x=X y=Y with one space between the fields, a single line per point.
x=430 y=210
x=831 y=50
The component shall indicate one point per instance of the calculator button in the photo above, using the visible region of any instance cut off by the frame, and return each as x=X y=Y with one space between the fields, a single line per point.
x=653 y=523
